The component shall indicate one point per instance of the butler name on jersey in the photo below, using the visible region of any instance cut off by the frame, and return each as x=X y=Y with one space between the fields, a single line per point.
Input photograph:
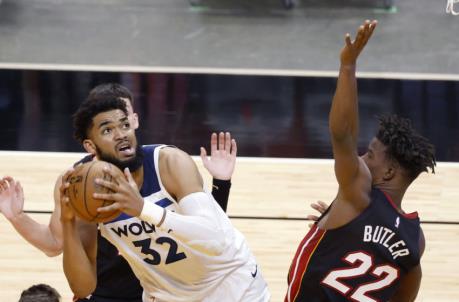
x=385 y=236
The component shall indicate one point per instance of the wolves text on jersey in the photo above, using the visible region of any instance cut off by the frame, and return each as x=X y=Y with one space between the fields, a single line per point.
x=384 y=236
x=135 y=228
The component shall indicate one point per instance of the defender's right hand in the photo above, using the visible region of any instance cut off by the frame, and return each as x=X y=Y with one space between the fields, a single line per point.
x=320 y=207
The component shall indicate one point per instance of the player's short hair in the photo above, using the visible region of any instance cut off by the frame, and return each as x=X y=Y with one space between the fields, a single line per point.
x=413 y=152
x=40 y=293
x=92 y=106
x=113 y=90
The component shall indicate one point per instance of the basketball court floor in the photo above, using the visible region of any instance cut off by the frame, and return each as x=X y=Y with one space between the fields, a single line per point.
x=264 y=73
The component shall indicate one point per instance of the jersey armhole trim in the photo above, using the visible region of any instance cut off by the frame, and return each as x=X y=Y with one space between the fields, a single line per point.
x=413 y=215
x=158 y=176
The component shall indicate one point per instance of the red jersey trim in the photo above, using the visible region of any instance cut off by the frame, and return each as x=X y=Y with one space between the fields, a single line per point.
x=412 y=215
x=301 y=260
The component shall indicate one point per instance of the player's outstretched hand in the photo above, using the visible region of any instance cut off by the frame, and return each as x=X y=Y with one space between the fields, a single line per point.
x=222 y=159
x=352 y=49
x=320 y=207
x=11 y=197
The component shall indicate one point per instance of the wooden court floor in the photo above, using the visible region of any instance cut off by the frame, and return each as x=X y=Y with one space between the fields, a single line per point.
x=264 y=192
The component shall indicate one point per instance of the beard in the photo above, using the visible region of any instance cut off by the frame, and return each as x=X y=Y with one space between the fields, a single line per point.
x=133 y=164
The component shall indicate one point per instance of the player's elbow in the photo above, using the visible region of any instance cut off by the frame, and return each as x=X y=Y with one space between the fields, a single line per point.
x=339 y=132
x=82 y=290
x=81 y=282
x=54 y=249
x=53 y=252
x=81 y=294
x=219 y=246
x=218 y=241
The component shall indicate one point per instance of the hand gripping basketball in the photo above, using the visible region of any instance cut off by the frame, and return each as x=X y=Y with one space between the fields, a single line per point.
x=82 y=186
x=122 y=191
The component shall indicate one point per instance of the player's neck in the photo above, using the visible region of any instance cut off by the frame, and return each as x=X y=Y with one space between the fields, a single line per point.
x=138 y=176
x=395 y=193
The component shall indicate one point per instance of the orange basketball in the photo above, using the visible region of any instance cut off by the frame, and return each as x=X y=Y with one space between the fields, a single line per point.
x=81 y=189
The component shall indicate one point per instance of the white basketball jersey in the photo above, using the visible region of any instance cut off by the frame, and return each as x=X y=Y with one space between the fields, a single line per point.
x=168 y=268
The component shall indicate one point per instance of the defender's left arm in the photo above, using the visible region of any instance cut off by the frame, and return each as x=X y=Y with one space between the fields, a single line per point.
x=409 y=286
x=411 y=282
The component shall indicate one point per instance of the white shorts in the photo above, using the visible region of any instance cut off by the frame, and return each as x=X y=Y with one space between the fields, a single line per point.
x=245 y=284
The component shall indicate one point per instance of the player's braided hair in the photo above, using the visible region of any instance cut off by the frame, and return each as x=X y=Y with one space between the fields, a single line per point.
x=82 y=119
x=412 y=151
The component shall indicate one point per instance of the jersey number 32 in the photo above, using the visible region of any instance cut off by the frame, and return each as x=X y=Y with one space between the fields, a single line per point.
x=155 y=259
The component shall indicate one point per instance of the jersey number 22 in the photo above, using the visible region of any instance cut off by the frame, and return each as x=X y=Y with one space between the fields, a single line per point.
x=361 y=264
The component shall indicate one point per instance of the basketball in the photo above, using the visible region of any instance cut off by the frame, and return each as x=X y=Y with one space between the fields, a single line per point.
x=81 y=189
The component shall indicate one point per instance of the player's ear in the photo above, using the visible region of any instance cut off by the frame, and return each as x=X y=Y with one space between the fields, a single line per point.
x=391 y=171
x=135 y=121
x=89 y=146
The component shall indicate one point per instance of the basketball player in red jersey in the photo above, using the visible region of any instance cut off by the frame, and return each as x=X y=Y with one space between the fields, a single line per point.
x=364 y=248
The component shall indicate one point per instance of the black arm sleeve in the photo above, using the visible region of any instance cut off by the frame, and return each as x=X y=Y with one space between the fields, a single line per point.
x=220 y=191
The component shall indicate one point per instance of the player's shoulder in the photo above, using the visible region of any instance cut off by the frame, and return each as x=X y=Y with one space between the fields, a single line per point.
x=174 y=161
x=357 y=191
x=178 y=172
x=171 y=154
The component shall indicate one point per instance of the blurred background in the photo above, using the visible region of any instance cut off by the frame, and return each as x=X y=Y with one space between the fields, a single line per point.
x=263 y=69
x=270 y=116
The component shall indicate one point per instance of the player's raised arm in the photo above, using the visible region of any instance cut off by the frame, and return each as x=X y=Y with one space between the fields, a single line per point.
x=45 y=237
x=344 y=113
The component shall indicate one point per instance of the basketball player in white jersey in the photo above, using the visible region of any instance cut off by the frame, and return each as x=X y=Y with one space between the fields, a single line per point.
x=48 y=237
x=115 y=280
x=178 y=241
